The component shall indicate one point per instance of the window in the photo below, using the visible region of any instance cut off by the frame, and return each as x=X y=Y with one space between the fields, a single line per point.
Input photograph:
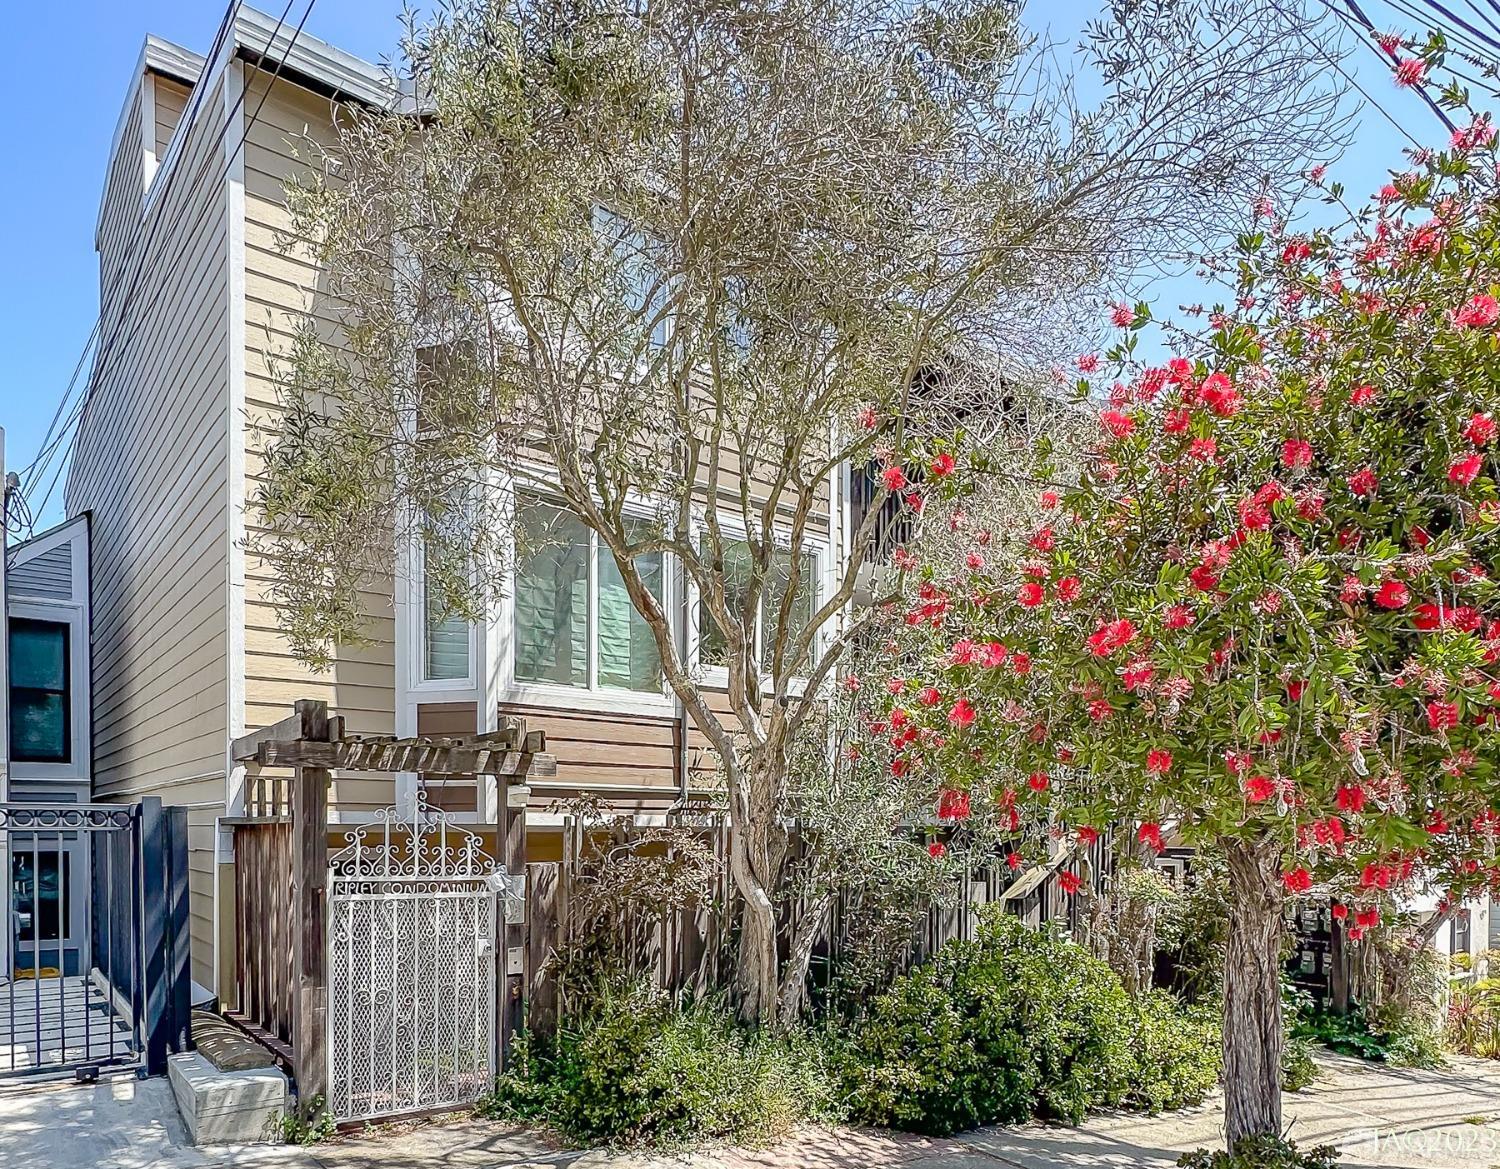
x=713 y=650
x=445 y=638
x=41 y=907
x=574 y=624
x=39 y=715
x=644 y=292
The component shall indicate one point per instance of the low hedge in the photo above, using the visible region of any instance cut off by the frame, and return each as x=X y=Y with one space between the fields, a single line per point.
x=1019 y=1024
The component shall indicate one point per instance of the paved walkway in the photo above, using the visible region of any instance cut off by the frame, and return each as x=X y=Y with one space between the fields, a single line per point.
x=1381 y=1118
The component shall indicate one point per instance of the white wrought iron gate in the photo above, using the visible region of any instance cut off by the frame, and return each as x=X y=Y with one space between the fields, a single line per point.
x=413 y=910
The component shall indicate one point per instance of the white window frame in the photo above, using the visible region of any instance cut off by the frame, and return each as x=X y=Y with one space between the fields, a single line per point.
x=601 y=699
x=416 y=608
x=733 y=528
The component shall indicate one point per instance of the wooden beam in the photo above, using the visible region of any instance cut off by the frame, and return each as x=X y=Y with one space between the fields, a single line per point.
x=244 y=748
x=433 y=759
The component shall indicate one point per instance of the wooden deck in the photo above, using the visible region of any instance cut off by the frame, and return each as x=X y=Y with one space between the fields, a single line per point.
x=55 y=1024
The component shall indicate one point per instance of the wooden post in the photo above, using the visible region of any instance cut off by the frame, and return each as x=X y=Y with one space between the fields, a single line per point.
x=513 y=999
x=543 y=896
x=310 y=897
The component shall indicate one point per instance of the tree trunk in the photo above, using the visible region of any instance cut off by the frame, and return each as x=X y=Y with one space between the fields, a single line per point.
x=1252 y=992
x=1338 y=970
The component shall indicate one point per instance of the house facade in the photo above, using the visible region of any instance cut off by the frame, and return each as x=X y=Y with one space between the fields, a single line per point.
x=202 y=286
x=45 y=734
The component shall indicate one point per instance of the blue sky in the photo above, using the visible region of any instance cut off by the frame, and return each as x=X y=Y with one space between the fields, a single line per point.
x=66 y=77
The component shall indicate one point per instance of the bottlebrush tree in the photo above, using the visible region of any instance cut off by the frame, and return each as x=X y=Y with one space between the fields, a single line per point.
x=1264 y=616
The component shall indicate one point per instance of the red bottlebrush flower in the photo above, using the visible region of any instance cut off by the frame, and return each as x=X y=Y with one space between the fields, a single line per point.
x=1177 y=420
x=1238 y=762
x=898 y=718
x=962 y=713
x=1038 y=781
x=1089 y=363
x=1150 y=835
x=1177 y=617
x=1100 y=709
x=1410 y=71
x=1069 y=881
x=894 y=478
x=1392 y=594
x=851 y=683
x=1259 y=788
x=1339 y=911
x=900 y=766
x=952 y=804
x=1117 y=423
x=1031 y=594
x=1111 y=636
x=1442 y=716
x=1137 y=675
x=937 y=850
x=1428 y=617
x=1204 y=578
x=1203 y=450
x=1087 y=835
x=1465 y=470
x=1362 y=395
x=1296 y=688
x=929 y=696
x=1355 y=933
x=1364 y=482
x=1070 y=588
x=1297 y=453
x=1480 y=429
x=1353 y=590
x=1479 y=312
x=975 y=561
x=867 y=417
x=1014 y=860
x=1367 y=918
x=942 y=465
x=1158 y=762
x=1049 y=499
x=1043 y=540
x=1220 y=396
x=1350 y=798
x=1465 y=618
x=915 y=501
x=1020 y=662
x=1269 y=738
x=993 y=654
x=1297 y=881
x=1122 y=315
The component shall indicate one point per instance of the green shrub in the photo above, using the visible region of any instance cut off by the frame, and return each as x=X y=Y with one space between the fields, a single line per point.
x=1263 y=1153
x=1178 y=1053
x=1473 y=1024
x=1298 y=1069
x=1384 y=1033
x=1017 y=1024
x=639 y=1070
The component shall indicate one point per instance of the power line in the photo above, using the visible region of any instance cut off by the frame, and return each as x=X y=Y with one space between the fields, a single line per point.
x=1359 y=13
x=107 y=347
x=47 y=444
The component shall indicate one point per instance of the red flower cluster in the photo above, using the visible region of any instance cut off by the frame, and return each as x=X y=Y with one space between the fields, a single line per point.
x=1111 y=636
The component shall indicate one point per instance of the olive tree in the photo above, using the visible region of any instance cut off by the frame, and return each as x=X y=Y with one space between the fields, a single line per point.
x=675 y=265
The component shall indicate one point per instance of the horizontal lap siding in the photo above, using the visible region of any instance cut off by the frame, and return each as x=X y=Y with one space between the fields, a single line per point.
x=171 y=100
x=282 y=284
x=151 y=466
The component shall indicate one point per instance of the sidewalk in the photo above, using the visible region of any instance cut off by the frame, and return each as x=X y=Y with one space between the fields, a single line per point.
x=1382 y=1118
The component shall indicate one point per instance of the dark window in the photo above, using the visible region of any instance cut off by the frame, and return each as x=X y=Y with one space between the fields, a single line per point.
x=41 y=906
x=39 y=714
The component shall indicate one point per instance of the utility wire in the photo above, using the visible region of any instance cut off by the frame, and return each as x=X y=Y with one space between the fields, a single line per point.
x=108 y=348
x=1369 y=28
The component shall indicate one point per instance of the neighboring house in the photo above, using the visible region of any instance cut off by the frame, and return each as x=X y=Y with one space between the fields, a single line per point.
x=44 y=738
x=187 y=652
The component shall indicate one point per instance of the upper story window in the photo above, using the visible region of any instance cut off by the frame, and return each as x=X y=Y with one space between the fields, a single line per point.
x=713 y=650
x=573 y=622
x=445 y=638
x=645 y=292
x=40 y=729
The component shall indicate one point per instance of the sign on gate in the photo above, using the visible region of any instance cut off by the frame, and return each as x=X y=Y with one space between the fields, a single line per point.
x=412 y=967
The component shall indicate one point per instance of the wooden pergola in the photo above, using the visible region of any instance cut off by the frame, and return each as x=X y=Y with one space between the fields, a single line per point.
x=290 y=1015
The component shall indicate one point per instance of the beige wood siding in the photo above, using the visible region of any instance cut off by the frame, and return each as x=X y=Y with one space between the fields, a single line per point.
x=120 y=207
x=281 y=285
x=631 y=760
x=151 y=468
x=171 y=99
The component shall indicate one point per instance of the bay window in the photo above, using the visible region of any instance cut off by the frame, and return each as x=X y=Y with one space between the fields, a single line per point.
x=713 y=650
x=573 y=623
